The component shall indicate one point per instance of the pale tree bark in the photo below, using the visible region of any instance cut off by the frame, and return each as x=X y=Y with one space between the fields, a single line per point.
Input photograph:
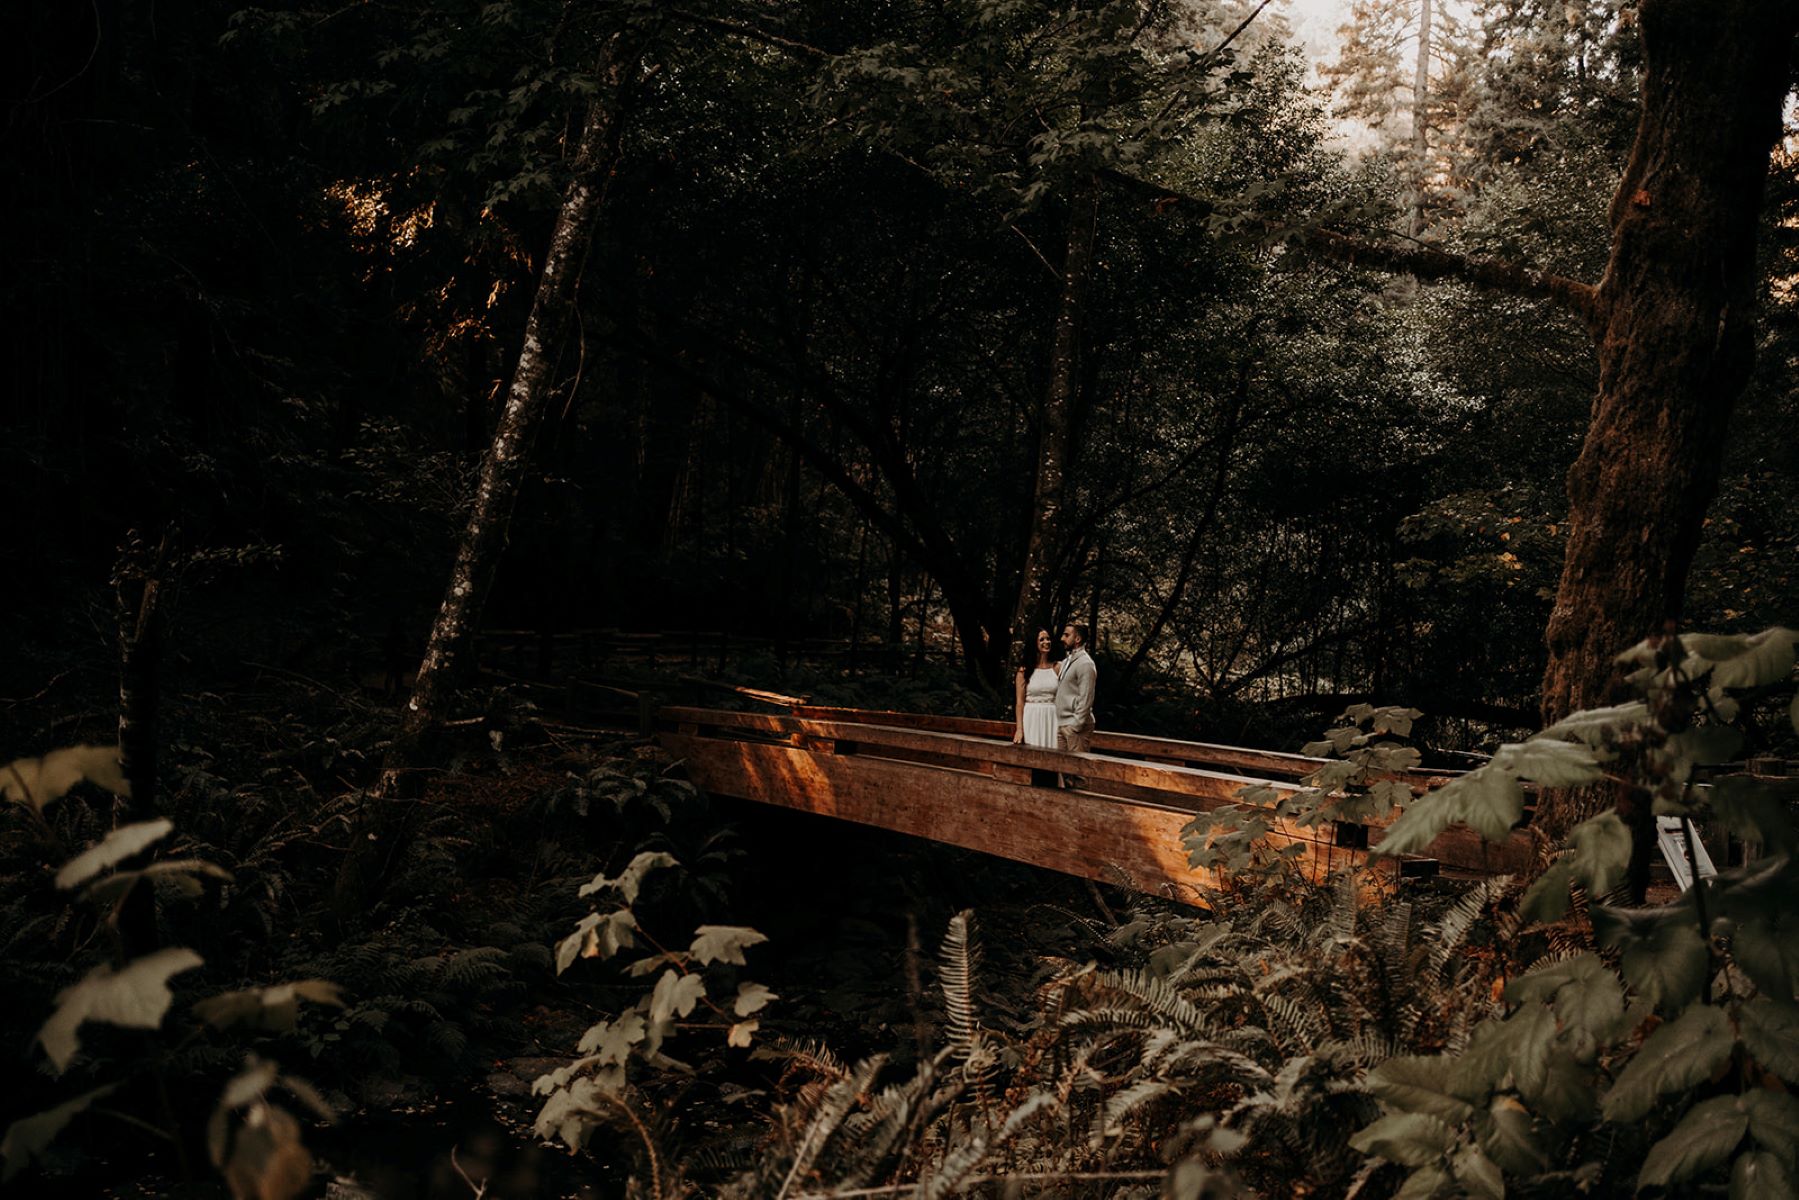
x=1674 y=322
x=1049 y=497
x=1420 y=108
x=503 y=470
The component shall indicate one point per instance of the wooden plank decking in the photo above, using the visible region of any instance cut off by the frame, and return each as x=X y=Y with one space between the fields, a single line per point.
x=962 y=781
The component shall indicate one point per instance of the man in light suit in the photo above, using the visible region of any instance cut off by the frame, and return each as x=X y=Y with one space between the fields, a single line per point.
x=1074 y=697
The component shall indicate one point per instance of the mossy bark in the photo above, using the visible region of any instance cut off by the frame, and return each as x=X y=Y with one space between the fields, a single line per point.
x=1674 y=322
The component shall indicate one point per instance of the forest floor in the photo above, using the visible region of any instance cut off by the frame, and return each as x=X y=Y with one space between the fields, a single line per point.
x=431 y=1058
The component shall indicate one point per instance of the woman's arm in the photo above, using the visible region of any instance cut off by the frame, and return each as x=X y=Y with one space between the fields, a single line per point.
x=1018 y=708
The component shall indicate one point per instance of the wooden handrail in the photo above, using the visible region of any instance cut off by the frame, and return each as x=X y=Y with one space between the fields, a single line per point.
x=1258 y=763
x=1179 y=780
x=1170 y=784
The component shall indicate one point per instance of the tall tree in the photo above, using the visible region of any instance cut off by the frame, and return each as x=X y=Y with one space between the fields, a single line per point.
x=1674 y=319
x=1050 y=495
x=1420 y=121
x=504 y=465
x=503 y=470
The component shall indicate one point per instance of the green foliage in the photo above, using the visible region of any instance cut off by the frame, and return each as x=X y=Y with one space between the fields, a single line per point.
x=1232 y=839
x=1570 y=1048
x=255 y=1144
x=597 y=1090
x=37 y=782
x=30 y=1137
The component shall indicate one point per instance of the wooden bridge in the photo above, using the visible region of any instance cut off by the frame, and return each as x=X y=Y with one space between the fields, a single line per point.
x=962 y=781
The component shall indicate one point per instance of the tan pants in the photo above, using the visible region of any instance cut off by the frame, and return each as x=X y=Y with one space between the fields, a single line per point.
x=1074 y=741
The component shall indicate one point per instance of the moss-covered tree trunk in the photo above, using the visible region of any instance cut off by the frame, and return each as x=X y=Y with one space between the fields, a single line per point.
x=1673 y=319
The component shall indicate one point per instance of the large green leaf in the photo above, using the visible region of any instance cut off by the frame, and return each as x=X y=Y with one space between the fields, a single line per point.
x=28 y=1137
x=1591 y=724
x=1520 y=1045
x=1774 y=1122
x=1714 y=647
x=1678 y=1055
x=1706 y=745
x=135 y=996
x=1493 y=805
x=1428 y=816
x=1487 y=799
x=1587 y=995
x=1759 y=1175
x=275 y=1009
x=1757 y=810
x=724 y=943
x=1660 y=951
x=1594 y=1003
x=597 y=935
x=1409 y=1139
x=181 y=874
x=1477 y=1174
x=609 y=1042
x=1415 y=1083
x=1550 y=763
x=1771 y=1031
x=1423 y=1184
x=1705 y=1137
x=111 y=850
x=1765 y=657
x=1766 y=946
x=1564 y=1090
x=630 y=880
x=38 y=781
x=1510 y=1140
x=675 y=995
x=750 y=998
x=1483 y=1063
x=1547 y=899
x=1545 y=981
x=1600 y=852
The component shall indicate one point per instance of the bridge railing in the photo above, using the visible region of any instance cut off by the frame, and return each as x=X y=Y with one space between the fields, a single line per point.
x=1170 y=778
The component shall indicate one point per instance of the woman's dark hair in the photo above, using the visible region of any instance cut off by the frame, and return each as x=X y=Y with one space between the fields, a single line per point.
x=1027 y=650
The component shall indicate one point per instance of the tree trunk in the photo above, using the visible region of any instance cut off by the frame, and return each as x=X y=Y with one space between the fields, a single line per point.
x=855 y=655
x=1673 y=319
x=1054 y=423
x=503 y=469
x=138 y=587
x=1183 y=575
x=1420 y=108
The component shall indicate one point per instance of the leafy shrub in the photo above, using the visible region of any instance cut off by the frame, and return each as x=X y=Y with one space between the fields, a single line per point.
x=253 y=1141
x=1661 y=1057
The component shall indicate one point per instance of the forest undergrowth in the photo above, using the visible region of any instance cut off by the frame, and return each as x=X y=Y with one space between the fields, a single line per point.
x=700 y=999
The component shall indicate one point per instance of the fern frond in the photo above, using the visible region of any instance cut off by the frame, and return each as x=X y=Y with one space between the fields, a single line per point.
x=1344 y=905
x=960 y=958
x=811 y=1057
x=1292 y=1023
x=1150 y=995
x=476 y=970
x=1109 y=1121
x=827 y=1116
x=1451 y=930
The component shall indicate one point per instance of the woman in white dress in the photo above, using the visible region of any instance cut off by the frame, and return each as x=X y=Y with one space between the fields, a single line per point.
x=1036 y=697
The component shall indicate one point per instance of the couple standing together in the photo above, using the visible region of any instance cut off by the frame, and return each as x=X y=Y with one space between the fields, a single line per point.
x=1055 y=699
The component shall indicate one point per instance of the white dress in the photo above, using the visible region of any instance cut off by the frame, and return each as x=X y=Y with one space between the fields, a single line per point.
x=1040 y=708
